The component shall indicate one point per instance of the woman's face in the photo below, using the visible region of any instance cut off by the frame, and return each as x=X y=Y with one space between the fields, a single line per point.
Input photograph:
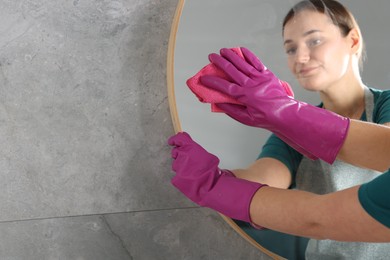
x=318 y=55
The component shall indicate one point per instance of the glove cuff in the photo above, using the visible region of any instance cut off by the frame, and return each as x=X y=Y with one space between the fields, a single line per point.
x=232 y=197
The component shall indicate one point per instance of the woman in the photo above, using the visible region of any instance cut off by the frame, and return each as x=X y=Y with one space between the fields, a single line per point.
x=324 y=48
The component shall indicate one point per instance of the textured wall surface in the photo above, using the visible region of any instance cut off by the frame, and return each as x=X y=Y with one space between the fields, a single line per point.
x=84 y=115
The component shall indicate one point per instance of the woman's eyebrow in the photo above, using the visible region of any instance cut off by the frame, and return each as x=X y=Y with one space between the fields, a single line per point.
x=304 y=34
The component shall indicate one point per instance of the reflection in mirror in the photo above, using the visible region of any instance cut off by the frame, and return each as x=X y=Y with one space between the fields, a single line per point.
x=202 y=27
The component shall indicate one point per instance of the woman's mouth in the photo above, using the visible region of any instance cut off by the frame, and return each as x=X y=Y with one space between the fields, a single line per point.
x=305 y=72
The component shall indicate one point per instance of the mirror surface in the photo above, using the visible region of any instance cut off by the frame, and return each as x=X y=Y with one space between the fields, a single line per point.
x=206 y=26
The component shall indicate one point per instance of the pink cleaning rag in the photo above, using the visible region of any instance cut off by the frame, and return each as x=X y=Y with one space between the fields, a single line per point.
x=207 y=95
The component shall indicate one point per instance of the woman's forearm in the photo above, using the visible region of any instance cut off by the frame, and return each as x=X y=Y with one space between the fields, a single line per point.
x=266 y=170
x=367 y=145
x=336 y=216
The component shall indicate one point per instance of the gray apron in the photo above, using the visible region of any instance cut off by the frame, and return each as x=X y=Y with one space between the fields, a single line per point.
x=321 y=178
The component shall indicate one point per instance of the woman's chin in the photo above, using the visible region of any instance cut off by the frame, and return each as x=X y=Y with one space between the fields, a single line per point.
x=310 y=85
x=311 y=89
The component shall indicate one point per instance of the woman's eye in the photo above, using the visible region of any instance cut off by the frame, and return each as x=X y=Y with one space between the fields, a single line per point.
x=314 y=42
x=291 y=51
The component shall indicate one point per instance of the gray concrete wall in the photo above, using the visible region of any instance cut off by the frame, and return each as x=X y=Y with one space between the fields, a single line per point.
x=84 y=115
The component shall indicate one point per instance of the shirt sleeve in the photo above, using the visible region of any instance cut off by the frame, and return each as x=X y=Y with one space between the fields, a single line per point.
x=374 y=197
x=279 y=150
x=381 y=112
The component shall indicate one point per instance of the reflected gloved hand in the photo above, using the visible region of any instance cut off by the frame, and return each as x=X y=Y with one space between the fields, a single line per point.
x=200 y=179
x=315 y=132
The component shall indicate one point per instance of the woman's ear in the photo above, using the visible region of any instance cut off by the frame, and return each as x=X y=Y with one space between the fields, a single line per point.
x=356 y=41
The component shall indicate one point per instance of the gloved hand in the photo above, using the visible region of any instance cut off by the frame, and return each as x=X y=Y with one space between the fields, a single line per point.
x=315 y=132
x=200 y=179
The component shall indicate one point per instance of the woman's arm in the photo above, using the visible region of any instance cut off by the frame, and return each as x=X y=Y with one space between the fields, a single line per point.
x=336 y=216
x=367 y=145
x=266 y=170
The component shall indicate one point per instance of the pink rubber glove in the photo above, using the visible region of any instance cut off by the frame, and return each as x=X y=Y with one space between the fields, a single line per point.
x=200 y=179
x=207 y=95
x=313 y=131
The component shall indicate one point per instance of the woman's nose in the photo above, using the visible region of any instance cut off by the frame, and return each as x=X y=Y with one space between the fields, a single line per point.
x=302 y=55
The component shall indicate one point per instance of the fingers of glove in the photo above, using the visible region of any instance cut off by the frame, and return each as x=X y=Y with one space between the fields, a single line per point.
x=229 y=69
x=174 y=153
x=222 y=85
x=192 y=164
x=241 y=64
x=179 y=165
x=287 y=88
x=237 y=112
x=180 y=139
x=252 y=59
x=229 y=107
x=181 y=159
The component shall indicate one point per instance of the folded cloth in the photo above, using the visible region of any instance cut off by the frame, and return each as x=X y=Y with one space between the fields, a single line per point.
x=207 y=95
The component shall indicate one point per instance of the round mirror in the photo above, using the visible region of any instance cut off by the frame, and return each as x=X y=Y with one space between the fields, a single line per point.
x=201 y=27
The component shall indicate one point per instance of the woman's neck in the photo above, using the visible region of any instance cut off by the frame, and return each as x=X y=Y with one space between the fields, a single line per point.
x=346 y=100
